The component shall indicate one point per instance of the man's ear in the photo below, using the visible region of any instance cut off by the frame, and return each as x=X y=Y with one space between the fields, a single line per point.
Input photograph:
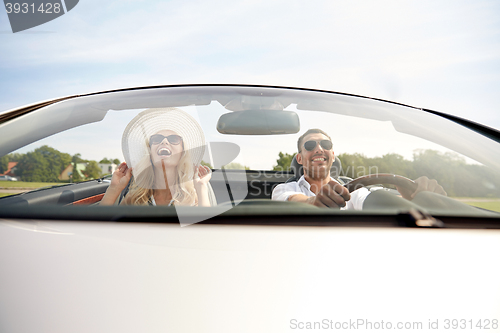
x=298 y=157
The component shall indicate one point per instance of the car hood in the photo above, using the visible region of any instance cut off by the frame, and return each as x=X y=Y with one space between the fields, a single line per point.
x=129 y=277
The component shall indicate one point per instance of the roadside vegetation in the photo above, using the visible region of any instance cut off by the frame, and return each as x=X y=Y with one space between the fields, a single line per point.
x=10 y=188
x=43 y=167
x=45 y=164
x=473 y=184
x=485 y=203
x=23 y=185
x=458 y=178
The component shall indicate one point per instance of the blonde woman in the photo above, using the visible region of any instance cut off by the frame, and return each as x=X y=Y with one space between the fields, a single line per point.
x=163 y=149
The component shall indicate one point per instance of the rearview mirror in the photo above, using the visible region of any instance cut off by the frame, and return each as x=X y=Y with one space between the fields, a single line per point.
x=259 y=122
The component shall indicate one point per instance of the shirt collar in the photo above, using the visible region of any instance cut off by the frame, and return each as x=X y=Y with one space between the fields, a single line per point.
x=303 y=182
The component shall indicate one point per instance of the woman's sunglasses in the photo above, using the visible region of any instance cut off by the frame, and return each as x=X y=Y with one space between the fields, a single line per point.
x=325 y=144
x=156 y=139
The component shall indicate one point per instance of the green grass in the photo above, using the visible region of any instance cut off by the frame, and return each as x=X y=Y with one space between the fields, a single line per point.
x=490 y=205
x=22 y=186
x=486 y=203
x=13 y=185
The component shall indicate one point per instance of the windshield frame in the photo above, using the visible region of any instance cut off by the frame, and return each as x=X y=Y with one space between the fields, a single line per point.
x=9 y=116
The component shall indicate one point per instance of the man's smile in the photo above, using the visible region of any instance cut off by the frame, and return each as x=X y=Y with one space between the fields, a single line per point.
x=319 y=159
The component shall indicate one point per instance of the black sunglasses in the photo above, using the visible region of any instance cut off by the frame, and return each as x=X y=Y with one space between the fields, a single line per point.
x=325 y=144
x=156 y=139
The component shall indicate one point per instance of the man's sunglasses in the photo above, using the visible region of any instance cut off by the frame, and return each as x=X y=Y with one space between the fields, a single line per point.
x=325 y=144
x=156 y=139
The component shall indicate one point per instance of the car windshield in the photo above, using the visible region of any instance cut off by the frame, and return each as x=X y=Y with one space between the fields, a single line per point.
x=251 y=135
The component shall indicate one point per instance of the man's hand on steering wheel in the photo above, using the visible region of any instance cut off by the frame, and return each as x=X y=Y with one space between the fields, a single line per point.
x=423 y=184
x=331 y=195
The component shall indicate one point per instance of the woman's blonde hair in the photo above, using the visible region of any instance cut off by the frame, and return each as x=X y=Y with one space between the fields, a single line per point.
x=182 y=188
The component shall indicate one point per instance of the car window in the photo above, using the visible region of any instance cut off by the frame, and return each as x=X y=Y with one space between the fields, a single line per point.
x=369 y=137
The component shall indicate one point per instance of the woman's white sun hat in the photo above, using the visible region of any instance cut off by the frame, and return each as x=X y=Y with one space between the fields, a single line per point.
x=135 y=139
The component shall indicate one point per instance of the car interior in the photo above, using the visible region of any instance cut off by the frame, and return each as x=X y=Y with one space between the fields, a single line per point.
x=241 y=117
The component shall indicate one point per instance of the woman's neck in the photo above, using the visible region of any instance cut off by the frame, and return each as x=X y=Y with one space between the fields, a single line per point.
x=162 y=197
x=164 y=178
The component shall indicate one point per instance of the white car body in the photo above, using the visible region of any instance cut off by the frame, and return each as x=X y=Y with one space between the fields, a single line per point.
x=104 y=277
x=251 y=264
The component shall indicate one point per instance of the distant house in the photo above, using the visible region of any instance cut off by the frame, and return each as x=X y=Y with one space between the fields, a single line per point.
x=107 y=168
x=68 y=171
x=11 y=169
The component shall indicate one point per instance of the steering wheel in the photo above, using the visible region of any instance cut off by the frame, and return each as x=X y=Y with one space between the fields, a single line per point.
x=381 y=178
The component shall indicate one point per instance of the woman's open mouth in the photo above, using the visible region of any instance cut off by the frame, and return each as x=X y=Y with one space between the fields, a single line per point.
x=164 y=152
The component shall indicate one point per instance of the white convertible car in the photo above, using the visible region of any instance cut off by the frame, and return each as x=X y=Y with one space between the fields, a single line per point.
x=248 y=263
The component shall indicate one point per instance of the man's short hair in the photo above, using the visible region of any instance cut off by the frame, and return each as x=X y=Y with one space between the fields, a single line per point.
x=310 y=131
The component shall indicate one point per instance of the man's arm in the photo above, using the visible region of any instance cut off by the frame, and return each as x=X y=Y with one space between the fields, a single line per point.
x=332 y=195
x=423 y=184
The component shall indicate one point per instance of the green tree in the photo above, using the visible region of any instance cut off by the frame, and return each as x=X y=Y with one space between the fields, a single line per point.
x=206 y=164
x=235 y=166
x=109 y=161
x=44 y=164
x=355 y=165
x=57 y=160
x=76 y=177
x=4 y=163
x=451 y=171
x=439 y=166
x=15 y=157
x=283 y=162
x=92 y=171
x=391 y=163
x=77 y=158
x=33 y=167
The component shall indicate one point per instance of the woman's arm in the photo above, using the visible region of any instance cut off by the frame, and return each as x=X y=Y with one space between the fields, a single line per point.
x=201 y=178
x=119 y=181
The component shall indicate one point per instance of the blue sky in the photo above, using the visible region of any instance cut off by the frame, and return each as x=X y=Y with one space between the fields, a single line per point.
x=441 y=55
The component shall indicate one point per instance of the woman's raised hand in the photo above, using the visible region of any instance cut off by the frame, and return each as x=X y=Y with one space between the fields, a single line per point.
x=121 y=177
x=202 y=175
x=119 y=181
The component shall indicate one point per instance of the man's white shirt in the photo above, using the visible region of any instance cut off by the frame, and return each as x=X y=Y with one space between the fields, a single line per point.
x=283 y=191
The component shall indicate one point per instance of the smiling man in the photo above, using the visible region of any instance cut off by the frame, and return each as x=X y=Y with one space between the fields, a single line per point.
x=318 y=188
